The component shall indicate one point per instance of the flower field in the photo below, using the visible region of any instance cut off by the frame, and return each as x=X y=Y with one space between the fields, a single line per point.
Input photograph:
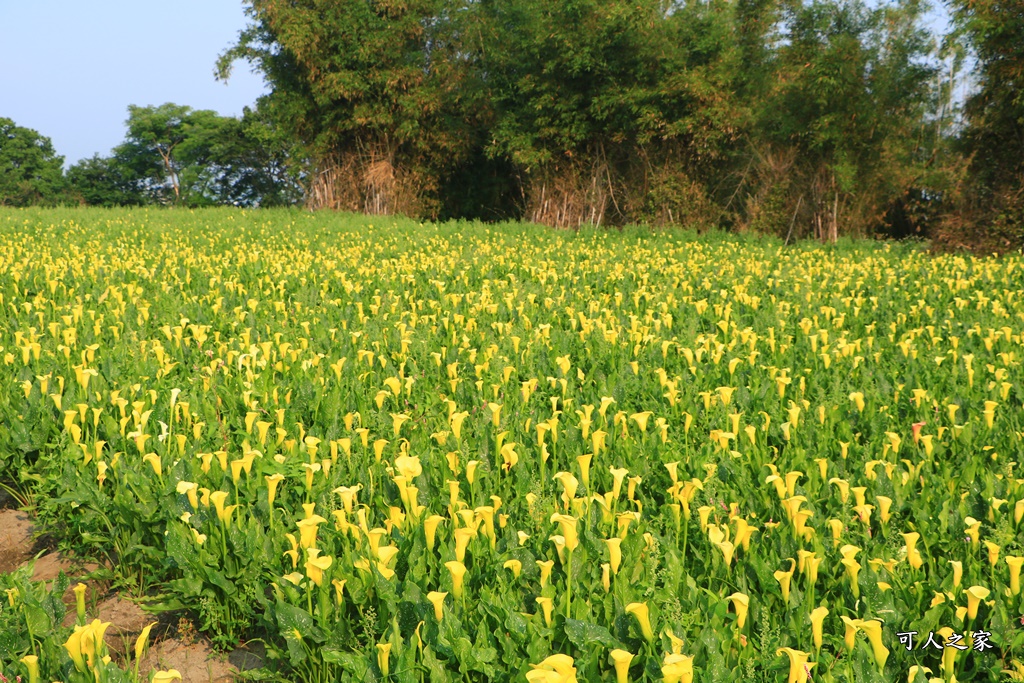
x=460 y=452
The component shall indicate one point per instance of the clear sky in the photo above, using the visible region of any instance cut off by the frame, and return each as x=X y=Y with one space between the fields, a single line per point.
x=69 y=69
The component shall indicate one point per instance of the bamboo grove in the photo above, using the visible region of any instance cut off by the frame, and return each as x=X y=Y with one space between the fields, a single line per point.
x=800 y=118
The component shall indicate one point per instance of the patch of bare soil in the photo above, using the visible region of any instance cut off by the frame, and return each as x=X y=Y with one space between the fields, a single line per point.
x=196 y=662
x=15 y=540
x=126 y=621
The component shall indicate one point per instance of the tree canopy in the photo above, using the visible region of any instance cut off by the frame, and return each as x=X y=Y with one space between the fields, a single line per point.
x=793 y=117
x=31 y=172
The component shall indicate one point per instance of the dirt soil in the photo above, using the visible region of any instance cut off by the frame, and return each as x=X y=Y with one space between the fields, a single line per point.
x=16 y=540
x=196 y=662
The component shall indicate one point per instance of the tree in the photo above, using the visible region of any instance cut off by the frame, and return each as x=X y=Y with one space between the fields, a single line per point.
x=104 y=181
x=170 y=137
x=988 y=214
x=173 y=154
x=374 y=92
x=31 y=172
x=840 y=124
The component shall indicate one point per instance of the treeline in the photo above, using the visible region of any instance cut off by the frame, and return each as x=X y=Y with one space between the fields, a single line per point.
x=171 y=155
x=800 y=118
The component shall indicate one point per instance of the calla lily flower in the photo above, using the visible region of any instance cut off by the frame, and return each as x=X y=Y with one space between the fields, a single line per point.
x=740 y=603
x=818 y=615
x=799 y=666
x=641 y=613
x=31 y=663
x=458 y=573
x=873 y=630
x=784 y=579
x=316 y=566
x=621 y=661
x=436 y=599
x=677 y=668
x=384 y=658
x=975 y=594
x=1015 y=564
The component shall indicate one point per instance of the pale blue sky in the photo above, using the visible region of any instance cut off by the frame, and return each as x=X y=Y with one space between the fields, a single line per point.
x=69 y=69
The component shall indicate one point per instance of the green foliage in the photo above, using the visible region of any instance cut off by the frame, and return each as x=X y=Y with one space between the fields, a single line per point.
x=30 y=171
x=166 y=366
x=174 y=155
x=988 y=211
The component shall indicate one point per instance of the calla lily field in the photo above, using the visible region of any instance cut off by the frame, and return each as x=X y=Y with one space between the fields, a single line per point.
x=394 y=451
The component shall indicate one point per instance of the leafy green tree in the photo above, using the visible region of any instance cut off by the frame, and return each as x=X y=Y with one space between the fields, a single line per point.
x=375 y=94
x=172 y=138
x=988 y=214
x=104 y=181
x=175 y=155
x=840 y=135
x=606 y=108
x=31 y=172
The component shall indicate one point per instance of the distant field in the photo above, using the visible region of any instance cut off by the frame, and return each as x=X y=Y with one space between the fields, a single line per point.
x=461 y=452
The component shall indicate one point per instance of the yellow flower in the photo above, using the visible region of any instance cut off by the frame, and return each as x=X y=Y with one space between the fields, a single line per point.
x=975 y=594
x=154 y=461
x=640 y=611
x=384 y=658
x=458 y=572
x=785 y=579
x=884 y=503
x=912 y=674
x=557 y=668
x=1015 y=564
x=973 y=531
x=852 y=568
x=799 y=666
x=677 y=668
x=142 y=641
x=79 y=601
x=547 y=606
x=31 y=663
x=948 y=654
x=818 y=615
x=339 y=590
x=166 y=676
x=568 y=528
x=621 y=660
x=873 y=630
x=614 y=553
x=272 y=481
x=913 y=554
x=569 y=485
x=218 y=498
x=316 y=566
x=430 y=529
x=189 y=489
x=740 y=603
x=436 y=599
x=545 y=571
x=993 y=553
x=850 y=636
x=958 y=572
x=308 y=530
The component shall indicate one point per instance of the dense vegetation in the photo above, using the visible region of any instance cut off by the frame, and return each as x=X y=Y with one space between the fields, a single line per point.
x=791 y=117
x=458 y=452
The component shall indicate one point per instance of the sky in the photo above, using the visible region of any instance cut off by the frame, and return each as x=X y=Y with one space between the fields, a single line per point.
x=69 y=69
